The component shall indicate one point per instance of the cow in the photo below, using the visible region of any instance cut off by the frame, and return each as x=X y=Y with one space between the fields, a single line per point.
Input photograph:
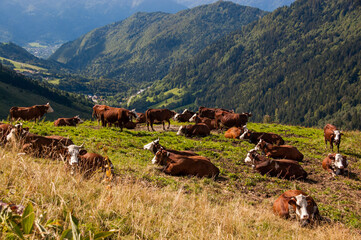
x=184 y=116
x=180 y=165
x=155 y=146
x=159 y=115
x=231 y=119
x=335 y=164
x=30 y=113
x=211 y=123
x=4 y=131
x=141 y=118
x=199 y=129
x=117 y=116
x=68 y=121
x=281 y=151
x=296 y=203
x=98 y=110
x=281 y=168
x=86 y=163
x=210 y=112
x=130 y=125
x=254 y=137
x=233 y=132
x=332 y=135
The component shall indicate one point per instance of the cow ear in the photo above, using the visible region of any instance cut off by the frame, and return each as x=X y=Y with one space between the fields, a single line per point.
x=82 y=152
x=330 y=155
x=292 y=201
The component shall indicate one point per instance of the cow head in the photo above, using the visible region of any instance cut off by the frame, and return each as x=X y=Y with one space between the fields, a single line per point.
x=74 y=151
x=245 y=133
x=78 y=119
x=161 y=157
x=338 y=162
x=250 y=156
x=152 y=146
x=193 y=118
x=133 y=114
x=49 y=108
x=175 y=118
x=182 y=130
x=261 y=145
x=304 y=207
x=337 y=138
x=16 y=133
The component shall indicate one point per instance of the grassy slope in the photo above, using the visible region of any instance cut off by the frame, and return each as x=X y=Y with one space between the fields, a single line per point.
x=144 y=203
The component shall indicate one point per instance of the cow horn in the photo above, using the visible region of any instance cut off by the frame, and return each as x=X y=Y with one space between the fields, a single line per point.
x=81 y=145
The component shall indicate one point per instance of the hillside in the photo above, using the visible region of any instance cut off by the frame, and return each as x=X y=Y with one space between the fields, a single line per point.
x=142 y=202
x=145 y=46
x=299 y=64
x=18 y=90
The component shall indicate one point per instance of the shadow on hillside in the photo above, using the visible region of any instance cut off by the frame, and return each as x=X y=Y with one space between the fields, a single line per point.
x=348 y=153
x=352 y=176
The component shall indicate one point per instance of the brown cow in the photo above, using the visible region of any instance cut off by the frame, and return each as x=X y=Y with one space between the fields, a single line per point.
x=199 y=129
x=231 y=119
x=4 y=131
x=180 y=165
x=155 y=146
x=68 y=121
x=233 y=132
x=86 y=163
x=335 y=164
x=141 y=118
x=211 y=123
x=281 y=151
x=98 y=110
x=210 y=112
x=30 y=113
x=159 y=115
x=332 y=135
x=184 y=116
x=297 y=203
x=281 y=168
x=254 y=137
x=118 y=116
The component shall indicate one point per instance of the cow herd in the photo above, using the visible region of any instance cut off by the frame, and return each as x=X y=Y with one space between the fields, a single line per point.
x=270 y=155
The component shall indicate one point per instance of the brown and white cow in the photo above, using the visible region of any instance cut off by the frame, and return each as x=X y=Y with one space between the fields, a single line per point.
x=332 y=135
x=68 y=121
x=211 y=112
x=158 y=115
x=30 y=113
x=211 y=123
x=233 y=132
x=155 y=146
x=86 y=163
x=296 y=203
x=281 y=168
x=4 y=131
x=254 y=137
x=229 y=120
x=184 y=116
x=180 y=165
x=335 y=164
x=199 y=129
x=281 y=151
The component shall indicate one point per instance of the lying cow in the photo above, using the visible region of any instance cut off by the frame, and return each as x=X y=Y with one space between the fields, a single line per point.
x=254 y=137
x=155 y=146
x=86 y=163
x=281 y=151
x=298 y=203
x=4 y=131
x=211 y=123
x=180 y=165
x=233 y=132
x=199 y=129
x=158 y=115
x=332 y=135
x=281 y=168
x=211 y=112
x=68 y=121
x=184 y=116
x=335 y=164
x=30 y=113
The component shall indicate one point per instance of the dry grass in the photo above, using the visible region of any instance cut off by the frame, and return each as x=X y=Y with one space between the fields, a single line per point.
x=139 y=210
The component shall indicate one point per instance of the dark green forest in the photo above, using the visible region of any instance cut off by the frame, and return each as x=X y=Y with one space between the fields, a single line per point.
x=299 y=64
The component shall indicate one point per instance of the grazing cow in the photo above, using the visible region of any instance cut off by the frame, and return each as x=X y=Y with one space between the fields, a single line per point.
x=254 y=137
x=30 y=113
x=180 y=165
x=281 y=151
x=233 y=132
x=68 y=121
x=159 y=115
x=155 y=146
x=232 y=119
x=118 y=116
x=86 y=163
x=281 y=168
x=184 y=116
x=130 y=125
x=199 y=129
x=210 y=112
x=297 y=203
x=335 y=164
x=332 y=135
x=211 y=123
x=141 y=118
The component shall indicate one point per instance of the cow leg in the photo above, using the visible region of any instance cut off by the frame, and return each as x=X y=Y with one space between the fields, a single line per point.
x=151 y=125
x=168 y=124
x=148 y=125
x=331 y=144
x=163 y=125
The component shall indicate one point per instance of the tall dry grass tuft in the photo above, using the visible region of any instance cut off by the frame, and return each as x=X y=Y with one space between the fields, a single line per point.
x=139 y=210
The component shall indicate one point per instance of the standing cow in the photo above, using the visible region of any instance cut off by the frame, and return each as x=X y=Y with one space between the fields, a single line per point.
x=332 y=135
x=30 y=113
x=160 y=115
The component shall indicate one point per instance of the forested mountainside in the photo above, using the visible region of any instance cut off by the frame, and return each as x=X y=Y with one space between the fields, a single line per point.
x=18 y=90
x=145 y=46
x=299 y=64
